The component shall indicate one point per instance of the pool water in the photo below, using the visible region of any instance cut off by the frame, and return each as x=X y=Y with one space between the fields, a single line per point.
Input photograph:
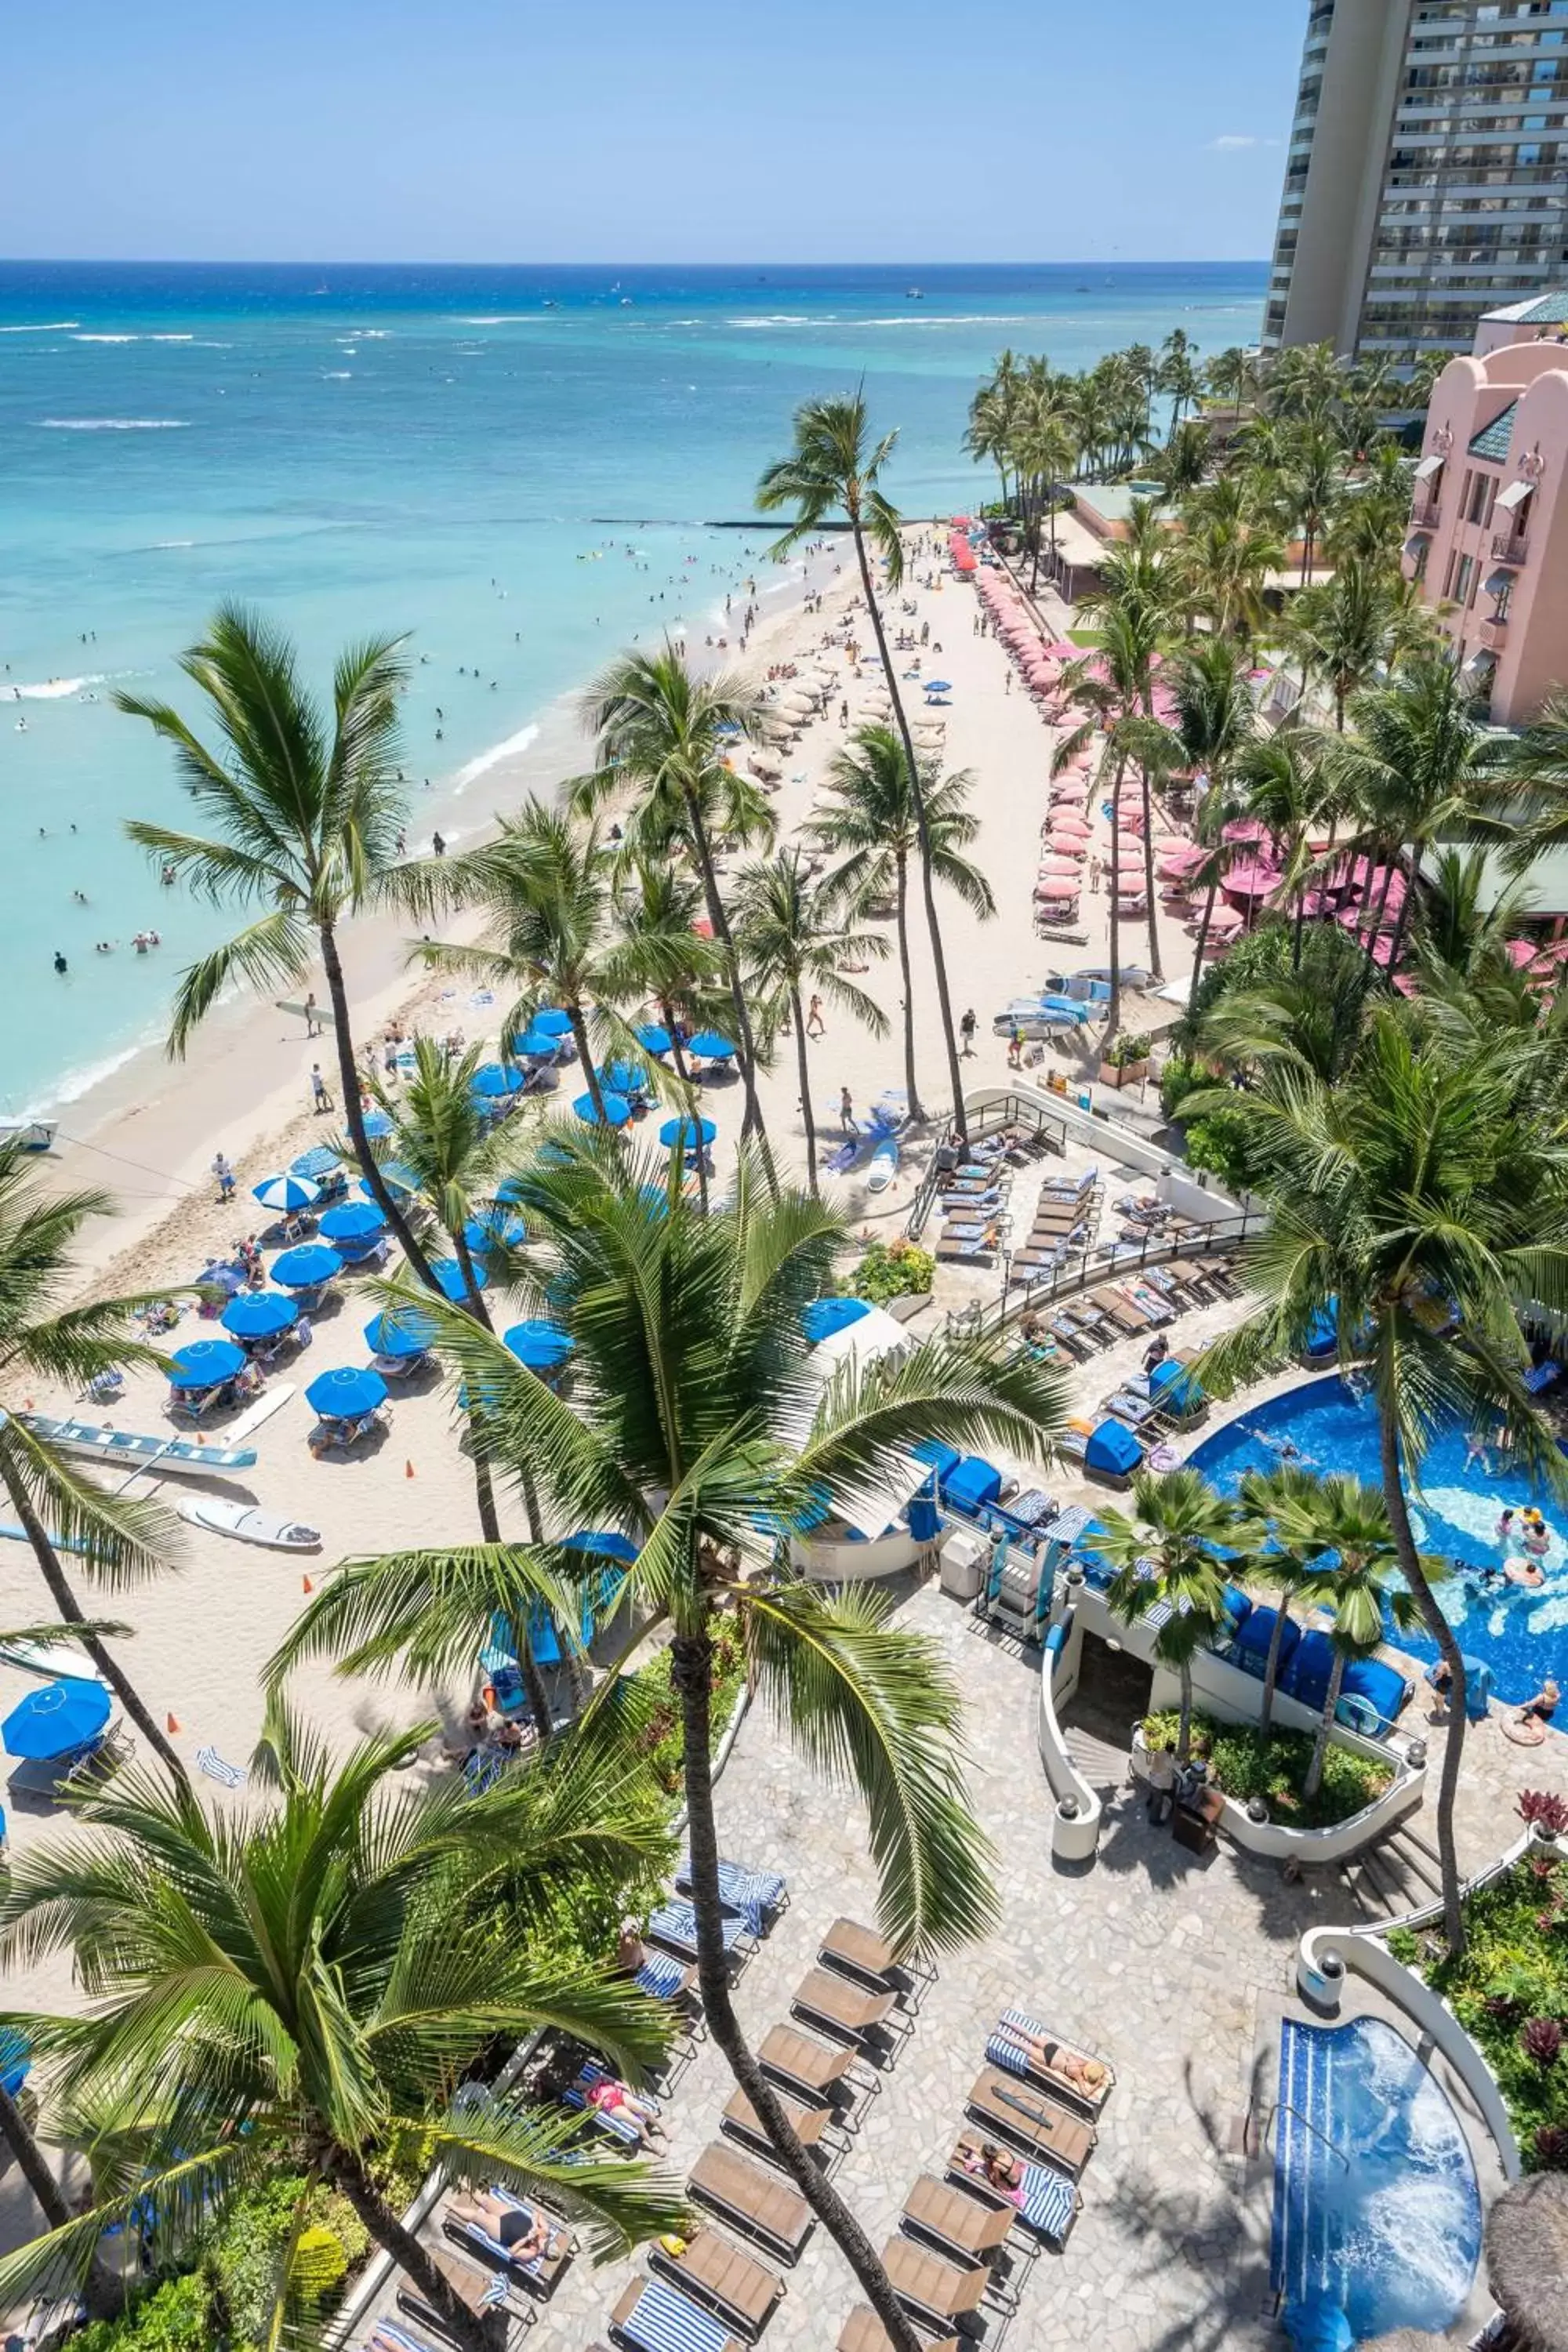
x=1521 y=1634
x=1376 y=2209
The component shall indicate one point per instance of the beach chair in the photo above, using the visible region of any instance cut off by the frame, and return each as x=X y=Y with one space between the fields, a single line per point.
x=482 y=2291
x=761 y=2205
x=855 y=2014
x=674 y=1925
x=714 y=2271
x=752 y=1894
x=1035 y=2121
x=653 y=2317
x=1007 y=2049
x=1118 y=1310
x=815 y=2125
x=623 y=2129
x=965 y=2229
x=932 y=2288
x=802 y=2063
x=864 y=2332
x=387 y=2336
x=859 y=1952
x=1135 y=1411
x=1148 y=1302
x=540 y=2271
x=664 y=1977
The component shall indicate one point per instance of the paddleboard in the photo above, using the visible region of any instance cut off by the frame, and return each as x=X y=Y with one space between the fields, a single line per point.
x=884 y=1165
x=248 y=1525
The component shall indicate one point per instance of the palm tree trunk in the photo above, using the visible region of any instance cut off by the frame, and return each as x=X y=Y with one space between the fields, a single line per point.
x=102 y=2291
x=691 y=1662
x=585 y=1057
x=901 y=927
x=1271 y=1674
x=1155 y=968
x=1376 y=931
x=798 y=1017
x=348 y=1079
x=1113 y=1010
x=1314 y=1779
x=677 y=1056
x=1202 y=943
x=917 y=800
x=473 y=2331
x=1443 y=1633
x=719 y=921
x=1184 y=1720
x=68 y=1607
x=1403 y=917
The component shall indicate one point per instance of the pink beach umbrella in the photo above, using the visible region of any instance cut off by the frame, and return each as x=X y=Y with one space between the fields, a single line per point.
x=1520 y=953
x=1249 y=877
x=1246 y=830
x=1058 y=863
x=1072 y=822
x=1056 y=887
x=1066 y=844
x=1176 y=863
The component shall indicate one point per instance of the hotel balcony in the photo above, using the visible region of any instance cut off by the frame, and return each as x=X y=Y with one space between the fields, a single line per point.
x=1511 y=547
x=1493 y=634
x=1424 y=508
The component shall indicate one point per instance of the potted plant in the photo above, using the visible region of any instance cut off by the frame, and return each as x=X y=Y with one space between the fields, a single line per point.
x=1126 y=1060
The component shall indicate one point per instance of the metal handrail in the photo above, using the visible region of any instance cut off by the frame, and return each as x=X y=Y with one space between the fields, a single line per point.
x=1288 y=2107
x=1098 y=1263
x=1010 y=1111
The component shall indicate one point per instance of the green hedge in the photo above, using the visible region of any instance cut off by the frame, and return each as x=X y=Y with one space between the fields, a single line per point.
x=892 y=1270
x=1513 y=1976
x=1244 y=1767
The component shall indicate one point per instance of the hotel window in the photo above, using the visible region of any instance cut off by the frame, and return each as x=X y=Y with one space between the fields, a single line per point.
x=1461 y=581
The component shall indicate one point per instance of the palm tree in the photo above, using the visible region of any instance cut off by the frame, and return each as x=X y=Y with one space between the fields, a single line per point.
x=695 y=1428
x=1277 y=777
x=660 y=734
x=1117 y=683
x=866 y=820
x=1232 y=376
x=1349 y=628
x=119 y=1542
x=1312 y=479
x=661 y=958
x=1280 y=1501
x=792 y=935
x=317 y=1978
x=307 y=812
x=1356 y=1571
x=1178 y=375
x=1421 y=1197
x=1214 y=720
x=831 y=469
x=1183 y=462
x=1171 y=1552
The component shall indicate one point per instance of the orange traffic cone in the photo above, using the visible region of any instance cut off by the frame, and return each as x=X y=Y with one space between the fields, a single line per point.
x=409 y=1469
x=172 y=1722
x=306 y=1585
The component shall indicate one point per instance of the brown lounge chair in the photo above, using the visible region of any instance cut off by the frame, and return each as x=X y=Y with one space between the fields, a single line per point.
x=624 y=2320
x=828 y=1999
x=1121 y=1312
x=965 y=2229
x=864 y=2332
x=711 y=2269
x=934 y=2289
x=758 y=2203
x=802 y=2062
x=1030 y=2120
x=812 y=2121
x=469 y=2286
x=859 y=1952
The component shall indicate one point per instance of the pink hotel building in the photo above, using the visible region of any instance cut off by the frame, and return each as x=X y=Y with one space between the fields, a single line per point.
x=1488 y=528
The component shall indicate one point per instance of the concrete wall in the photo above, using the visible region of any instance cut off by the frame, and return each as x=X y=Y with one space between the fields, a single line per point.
x=1344 y=178
x=1074 y=1827
x=1115 y=1142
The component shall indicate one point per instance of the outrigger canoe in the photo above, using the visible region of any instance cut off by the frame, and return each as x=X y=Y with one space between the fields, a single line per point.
x=123 y=1449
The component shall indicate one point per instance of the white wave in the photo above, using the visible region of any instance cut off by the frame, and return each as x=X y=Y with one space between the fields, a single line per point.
x=54 y=327
x=493 y=757
x=171 y=338
x=106 y=339
x=507 y=319
x=337 y=375
x=161 y=544
x=114 y=423
x=785 y=319
x=51 y=689
x=375 y=334
x=77 y=1083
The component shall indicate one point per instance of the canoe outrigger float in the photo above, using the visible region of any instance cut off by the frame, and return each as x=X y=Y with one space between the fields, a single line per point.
x=122 y=1449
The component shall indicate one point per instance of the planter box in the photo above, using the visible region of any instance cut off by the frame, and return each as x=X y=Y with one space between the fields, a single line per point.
x=1128 y=1074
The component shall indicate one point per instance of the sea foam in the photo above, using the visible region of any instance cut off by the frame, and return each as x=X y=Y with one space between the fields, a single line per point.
x=477 y=768
x=114 y=423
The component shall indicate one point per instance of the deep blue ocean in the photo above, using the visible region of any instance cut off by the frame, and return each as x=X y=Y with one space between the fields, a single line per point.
x=520 y=466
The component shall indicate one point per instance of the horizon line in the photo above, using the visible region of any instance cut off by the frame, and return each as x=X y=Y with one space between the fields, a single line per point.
x=195 y=261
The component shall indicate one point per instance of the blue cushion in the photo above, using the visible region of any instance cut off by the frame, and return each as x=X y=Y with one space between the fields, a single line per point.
x=974 y=1483
x=940 y=1457
x=1113 y=1447
x=1305 y=1674
x=1238 y=1607
x=1253 y=1636
x=1379 y=1683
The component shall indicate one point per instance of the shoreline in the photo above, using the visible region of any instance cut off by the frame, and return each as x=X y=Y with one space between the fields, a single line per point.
x=146 y=1130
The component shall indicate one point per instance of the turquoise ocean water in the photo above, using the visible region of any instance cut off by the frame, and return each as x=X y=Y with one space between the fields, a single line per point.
x=520 y=467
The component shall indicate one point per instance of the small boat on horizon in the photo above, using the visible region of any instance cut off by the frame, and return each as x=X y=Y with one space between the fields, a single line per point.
x=913 y=294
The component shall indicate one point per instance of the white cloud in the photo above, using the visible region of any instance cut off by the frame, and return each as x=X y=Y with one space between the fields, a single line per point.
x=1229 y=141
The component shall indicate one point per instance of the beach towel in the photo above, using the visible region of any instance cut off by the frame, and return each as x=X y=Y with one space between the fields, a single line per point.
x=228 y=1776
x=661 y=1976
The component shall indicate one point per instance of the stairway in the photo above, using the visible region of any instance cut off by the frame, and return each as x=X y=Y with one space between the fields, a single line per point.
x=1401 y=1873
x=1101 y=1762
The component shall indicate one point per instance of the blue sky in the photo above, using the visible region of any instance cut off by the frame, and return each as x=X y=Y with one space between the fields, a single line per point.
x=611 y=129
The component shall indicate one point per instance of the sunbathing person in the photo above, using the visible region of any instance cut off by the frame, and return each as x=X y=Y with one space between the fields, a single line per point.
x=525 y=2234
x=614 y=2099
x=997 y=2170
x=1086 y=2074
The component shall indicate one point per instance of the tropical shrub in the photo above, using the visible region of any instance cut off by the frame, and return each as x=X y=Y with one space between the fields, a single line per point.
x=893 y=1270
x=661 y=1738
x=1277 y=1772
x=1221 y=1145
x=1181 y=1076
x=176 y=2318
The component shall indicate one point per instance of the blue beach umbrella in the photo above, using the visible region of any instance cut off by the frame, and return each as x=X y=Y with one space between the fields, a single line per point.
x=320 y=1164
x=346 y=1394
x=652 y=1038
x=551 y=1022
x=204 y=1363
x=617 y=1110
x=450 y=1280
x=540 y=1346
x=622 y=1078
x=496 y=1228
x=356 y=1221
x=498 y=1078
x=537 y=1044
x=611 y=1545
x=16 y=2058
x=304 y=1269
x=687 y=1132
x=400 y=1332
x=377 y=1124
x=395 y=1176
x=709 y=1046
x=257 y=1314
x=53 y=1721
x=285 y=1192
x=824 y=1316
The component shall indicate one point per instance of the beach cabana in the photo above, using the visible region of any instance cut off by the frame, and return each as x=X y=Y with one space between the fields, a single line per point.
x=1113 y=1451
x=307 y=1267
x=617 y=1110
x=57 y=1720
x=260 y=1315
x=542 y=1345
x=204 y=1364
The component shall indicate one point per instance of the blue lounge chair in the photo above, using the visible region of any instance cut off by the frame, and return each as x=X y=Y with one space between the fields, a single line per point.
x=617 y=2128
x=751 y=1894
x=675 y=1924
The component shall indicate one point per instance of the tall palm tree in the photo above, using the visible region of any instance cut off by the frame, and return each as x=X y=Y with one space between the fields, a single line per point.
x=793 y=934
x=1171 y=1552
x=1357 y=1572
x=1178 y=375
x=834 y=469
x=1347 y=629
x=1214 y=720
x=695 y=1428
x=866 y=819
x=307 y=812
x=119 y=1541
x=1312 y=480
x=1117 y=684
x=1279 y=778
x=1290 y=1568
x=317 y=1977
x=660 y=732
x=662 y=959
x=1420 y=1199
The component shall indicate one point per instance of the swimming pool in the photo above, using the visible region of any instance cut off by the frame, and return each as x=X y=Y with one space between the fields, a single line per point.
x=1376 y=2209
x=1521 y=1634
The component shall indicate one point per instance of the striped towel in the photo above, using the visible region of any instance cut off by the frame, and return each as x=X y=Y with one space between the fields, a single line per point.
x=676 y=1923
x=663 y=2321
x=387 y=2336
x=661 y=1976
x=229 y=1776
x=751 y=1893
x=1050 y=2201
x=1001 y=2051
x=497 y=2246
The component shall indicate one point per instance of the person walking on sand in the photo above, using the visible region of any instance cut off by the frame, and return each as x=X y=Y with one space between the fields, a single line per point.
x=814 y=1025
x=312 y=1017
x=846 y=1112
x=966 y=1028
x=1016 y=1047
x=320 y=1099
x=223 y=1176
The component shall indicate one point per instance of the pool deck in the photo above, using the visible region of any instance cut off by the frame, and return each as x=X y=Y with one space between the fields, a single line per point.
x=1173 y=1966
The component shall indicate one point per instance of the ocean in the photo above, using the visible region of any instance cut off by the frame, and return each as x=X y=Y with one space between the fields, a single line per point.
x=521 y=467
